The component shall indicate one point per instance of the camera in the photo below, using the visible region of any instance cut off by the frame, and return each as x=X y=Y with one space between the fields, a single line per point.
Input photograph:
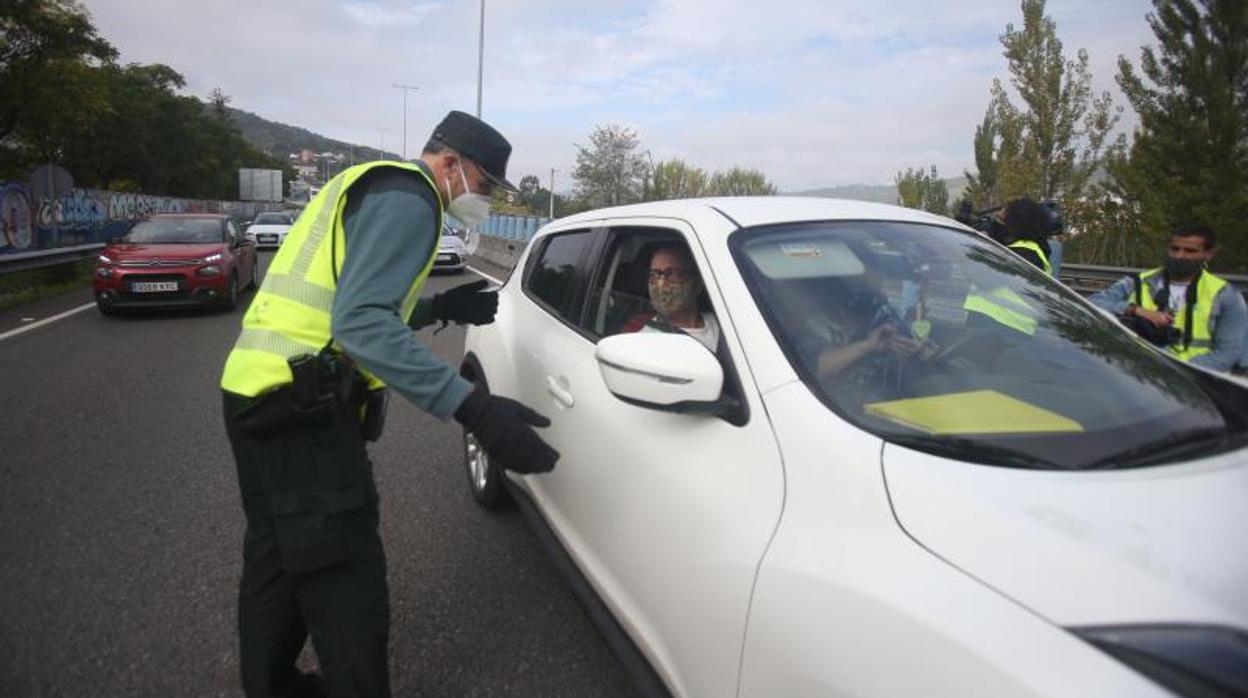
x=986 y=221
x=1157 y=336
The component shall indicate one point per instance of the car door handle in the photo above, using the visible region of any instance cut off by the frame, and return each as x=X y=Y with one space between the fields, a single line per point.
x=562 y=394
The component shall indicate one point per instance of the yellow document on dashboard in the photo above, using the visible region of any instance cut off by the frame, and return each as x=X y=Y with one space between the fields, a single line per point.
x=972 y=412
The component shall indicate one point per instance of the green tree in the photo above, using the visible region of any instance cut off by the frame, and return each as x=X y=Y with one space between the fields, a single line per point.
x=610 y=171
x=981 y=187
x=674 y=179
x=1189 y=157
x=740 y=182
x=917 y=188
x=47 y=51
x=1050 y=144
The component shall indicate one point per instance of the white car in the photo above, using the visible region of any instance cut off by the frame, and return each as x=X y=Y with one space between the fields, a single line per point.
x=452 y=252
x=913 y=465
x=269 y=229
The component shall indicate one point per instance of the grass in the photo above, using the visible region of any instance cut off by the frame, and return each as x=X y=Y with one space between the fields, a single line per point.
x=21 y=287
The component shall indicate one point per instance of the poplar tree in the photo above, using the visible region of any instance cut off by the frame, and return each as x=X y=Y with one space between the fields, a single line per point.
x=1189 y=157
x=923 y=189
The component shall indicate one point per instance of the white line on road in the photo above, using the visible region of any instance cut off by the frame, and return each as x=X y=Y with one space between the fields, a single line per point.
x=478 y=272
x=45 y=321
x=79 y=309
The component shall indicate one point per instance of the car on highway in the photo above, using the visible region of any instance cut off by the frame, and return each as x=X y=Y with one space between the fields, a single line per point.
x=270 y=229
x=452 y=252
x=907 y=463
x=174 y=260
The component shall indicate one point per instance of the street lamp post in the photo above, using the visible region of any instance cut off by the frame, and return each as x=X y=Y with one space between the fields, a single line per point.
x=480 y=57
x=382 y=132
x=406 y=89
x=552 y=193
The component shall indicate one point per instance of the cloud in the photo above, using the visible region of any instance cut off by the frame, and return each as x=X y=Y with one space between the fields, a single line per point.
x=377 y=15
x=814 y=93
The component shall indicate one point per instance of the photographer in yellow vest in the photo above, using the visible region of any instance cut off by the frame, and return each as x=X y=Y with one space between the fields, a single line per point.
x=1180 y=306
x=305 y=387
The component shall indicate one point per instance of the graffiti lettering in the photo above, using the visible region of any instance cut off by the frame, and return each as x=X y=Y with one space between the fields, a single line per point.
x=128 y=207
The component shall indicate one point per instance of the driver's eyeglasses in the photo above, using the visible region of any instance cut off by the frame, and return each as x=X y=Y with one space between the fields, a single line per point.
x=673 y=274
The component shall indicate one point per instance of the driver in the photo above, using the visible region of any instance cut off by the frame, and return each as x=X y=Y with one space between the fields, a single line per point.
x=853 y=340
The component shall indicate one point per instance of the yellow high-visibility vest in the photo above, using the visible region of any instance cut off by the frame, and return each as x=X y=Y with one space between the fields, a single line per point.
x=1034 y=247
x=1208 y=287
x=290 y=314
x=1004 y=306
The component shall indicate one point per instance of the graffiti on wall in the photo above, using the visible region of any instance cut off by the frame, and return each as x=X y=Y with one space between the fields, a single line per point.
x=15 y=218
x=85 y=216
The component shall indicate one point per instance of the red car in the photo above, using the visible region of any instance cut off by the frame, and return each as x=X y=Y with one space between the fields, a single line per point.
x=172 y=260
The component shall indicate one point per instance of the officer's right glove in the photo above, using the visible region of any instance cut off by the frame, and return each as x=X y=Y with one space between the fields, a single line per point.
x=468 y=304
x=505 y=429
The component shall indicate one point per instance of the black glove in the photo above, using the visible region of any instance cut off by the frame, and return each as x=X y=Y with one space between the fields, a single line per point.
x=466 y=304
x=505 y=429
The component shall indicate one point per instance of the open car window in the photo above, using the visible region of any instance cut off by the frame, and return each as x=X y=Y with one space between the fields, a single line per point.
x=938 y=339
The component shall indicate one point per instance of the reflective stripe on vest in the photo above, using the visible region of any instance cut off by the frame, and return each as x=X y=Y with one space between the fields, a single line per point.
x=1208 y=287
x=1004 y=306
x=291 y=311
x=1034 y=247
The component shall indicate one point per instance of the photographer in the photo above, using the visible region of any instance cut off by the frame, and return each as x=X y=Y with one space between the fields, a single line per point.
x=1197 y=316
x=1024 y=226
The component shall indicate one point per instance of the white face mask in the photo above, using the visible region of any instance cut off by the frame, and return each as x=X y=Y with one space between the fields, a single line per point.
x=470 y=207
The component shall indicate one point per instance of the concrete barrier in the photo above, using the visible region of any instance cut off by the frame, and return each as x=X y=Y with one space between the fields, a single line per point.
x=499 y=251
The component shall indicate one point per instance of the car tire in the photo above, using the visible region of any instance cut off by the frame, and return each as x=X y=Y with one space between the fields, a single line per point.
x=230 y=301
x=106 y=309
x=485 y=476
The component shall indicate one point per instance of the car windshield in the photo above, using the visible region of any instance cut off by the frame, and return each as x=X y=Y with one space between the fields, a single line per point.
x=177 y=230
x=936 y=339
x=272 y=219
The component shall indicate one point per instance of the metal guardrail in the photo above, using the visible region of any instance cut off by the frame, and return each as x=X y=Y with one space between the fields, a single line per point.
x=1086 y=279
x=22 y=261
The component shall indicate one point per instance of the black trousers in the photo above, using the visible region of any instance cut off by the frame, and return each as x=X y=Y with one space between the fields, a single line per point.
x=313 y=563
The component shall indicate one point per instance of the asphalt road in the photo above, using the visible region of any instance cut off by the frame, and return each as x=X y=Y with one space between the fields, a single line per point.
x=120 y=529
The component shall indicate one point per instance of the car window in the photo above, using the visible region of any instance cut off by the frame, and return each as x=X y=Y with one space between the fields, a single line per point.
x=554 y=275
x=177 y=231
x=937 y=339
x=619 y=300
x=272 y=219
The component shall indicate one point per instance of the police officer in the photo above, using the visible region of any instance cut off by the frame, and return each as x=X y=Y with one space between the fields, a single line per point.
x=329 y=328
x=1195 y=315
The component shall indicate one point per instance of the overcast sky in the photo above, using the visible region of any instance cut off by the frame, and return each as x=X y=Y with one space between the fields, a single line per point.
x=813 y=92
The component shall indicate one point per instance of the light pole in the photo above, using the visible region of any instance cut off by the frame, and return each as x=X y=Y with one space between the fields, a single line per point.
x=552 y=193
x=382 y=133
x=480 y=57
x=406 y=89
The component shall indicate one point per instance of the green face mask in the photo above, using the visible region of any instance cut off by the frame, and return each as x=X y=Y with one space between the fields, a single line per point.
x=672 y=298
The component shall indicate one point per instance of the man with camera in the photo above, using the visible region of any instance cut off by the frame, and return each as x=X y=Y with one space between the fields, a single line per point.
x=1180 y=306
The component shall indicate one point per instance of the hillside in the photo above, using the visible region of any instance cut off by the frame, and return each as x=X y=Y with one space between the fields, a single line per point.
x=878 y=193
x=281 y=140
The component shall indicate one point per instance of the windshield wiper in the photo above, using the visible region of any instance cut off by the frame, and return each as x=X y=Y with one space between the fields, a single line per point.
x=1174 y=445
x=969 y=449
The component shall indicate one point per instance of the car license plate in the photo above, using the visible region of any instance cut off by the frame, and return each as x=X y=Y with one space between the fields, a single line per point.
x=445 y=257
x=153 y=286
x=268 y=238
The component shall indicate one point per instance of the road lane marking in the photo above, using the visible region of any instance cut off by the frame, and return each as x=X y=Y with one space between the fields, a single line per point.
x=478 y=272
x=79 y=309
x=46 y=321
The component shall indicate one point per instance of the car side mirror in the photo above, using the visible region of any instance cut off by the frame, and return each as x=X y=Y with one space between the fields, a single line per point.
x=660 y=370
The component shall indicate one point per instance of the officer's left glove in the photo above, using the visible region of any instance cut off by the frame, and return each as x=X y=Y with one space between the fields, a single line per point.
x=466 y=304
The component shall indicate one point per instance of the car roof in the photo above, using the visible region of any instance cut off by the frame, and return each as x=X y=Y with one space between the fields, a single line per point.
x=214 y=216
x=761 y=210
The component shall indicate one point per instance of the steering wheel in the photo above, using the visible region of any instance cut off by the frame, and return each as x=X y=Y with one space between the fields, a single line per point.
x=951 y=350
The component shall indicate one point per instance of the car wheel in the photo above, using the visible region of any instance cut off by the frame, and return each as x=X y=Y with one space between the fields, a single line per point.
x=485 y=478
x=106 y=309
x=230 y=301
